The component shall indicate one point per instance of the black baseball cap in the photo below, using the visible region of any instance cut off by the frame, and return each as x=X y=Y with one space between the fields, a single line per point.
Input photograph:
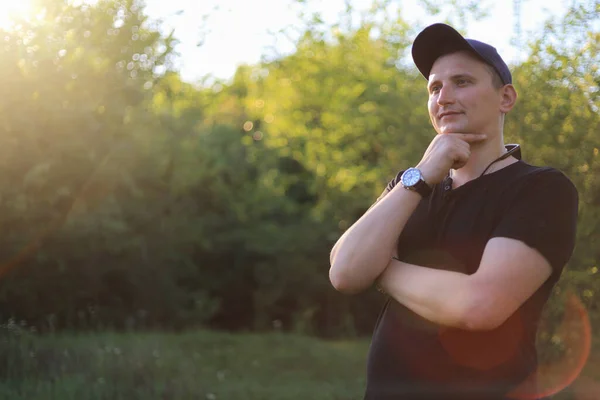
x=438 y=39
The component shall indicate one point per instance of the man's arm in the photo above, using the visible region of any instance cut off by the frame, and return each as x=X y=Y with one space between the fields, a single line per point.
x=364 y=250
x=509 y=273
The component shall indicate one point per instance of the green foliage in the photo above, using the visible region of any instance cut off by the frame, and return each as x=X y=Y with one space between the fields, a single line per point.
x=76 y=82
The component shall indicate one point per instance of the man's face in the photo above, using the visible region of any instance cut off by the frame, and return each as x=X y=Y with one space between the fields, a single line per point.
x=462 y=98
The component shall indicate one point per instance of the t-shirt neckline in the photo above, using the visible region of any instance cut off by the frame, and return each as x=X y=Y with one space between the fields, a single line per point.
x=483 y=178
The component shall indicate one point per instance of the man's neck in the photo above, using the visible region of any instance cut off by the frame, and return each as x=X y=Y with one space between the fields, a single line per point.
x=481 y=156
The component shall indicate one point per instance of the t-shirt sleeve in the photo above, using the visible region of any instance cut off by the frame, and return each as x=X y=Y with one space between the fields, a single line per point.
x=390 y=185
x=543 y=215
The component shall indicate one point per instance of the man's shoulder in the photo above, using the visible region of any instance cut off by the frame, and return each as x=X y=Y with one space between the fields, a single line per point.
x=544 y=176
x=532 y=169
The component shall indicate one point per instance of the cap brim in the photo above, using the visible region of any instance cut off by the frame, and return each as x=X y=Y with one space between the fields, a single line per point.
x=434 y=41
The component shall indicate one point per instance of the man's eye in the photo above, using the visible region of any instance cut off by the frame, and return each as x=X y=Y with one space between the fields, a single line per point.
x=435 y=88
x=461 y=82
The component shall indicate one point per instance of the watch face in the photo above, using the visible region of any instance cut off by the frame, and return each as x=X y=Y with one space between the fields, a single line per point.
x=411 y=177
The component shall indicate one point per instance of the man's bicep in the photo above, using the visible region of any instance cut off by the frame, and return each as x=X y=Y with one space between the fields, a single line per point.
x=381 y=196
x=533 y=242
x=512 y=270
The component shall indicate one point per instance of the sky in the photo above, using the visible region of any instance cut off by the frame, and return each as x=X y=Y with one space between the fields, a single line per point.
x=235 y=32
x=238 y=32
x=241 y=31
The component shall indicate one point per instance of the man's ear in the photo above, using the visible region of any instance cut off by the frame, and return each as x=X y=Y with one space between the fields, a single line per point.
x=508 y=98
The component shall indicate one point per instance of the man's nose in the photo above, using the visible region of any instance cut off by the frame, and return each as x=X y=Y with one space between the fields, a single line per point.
x=446 y=95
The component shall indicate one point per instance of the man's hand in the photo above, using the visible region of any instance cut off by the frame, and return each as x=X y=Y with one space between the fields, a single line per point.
x=446 y=151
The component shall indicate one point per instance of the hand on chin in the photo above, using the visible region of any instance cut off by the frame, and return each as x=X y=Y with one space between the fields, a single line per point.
x=452 y=129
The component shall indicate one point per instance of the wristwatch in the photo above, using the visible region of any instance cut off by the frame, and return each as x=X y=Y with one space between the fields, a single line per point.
x=412 y=179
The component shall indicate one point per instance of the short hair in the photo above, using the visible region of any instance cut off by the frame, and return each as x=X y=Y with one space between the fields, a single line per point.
x=496 y=79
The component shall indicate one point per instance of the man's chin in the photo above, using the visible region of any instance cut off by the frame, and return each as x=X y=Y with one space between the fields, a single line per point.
x=451 y=131
x=456 y=129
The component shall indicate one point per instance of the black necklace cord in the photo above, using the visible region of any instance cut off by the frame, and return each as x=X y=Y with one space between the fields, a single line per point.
x=514 y=148
x=502 y=157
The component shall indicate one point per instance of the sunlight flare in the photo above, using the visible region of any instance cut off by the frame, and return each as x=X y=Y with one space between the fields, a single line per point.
x=12 y=11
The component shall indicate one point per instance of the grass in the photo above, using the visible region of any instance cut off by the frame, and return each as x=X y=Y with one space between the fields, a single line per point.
x=195 y=365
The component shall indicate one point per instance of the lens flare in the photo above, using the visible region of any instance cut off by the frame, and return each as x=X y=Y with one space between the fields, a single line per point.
x=550 y=379
x=10 y=11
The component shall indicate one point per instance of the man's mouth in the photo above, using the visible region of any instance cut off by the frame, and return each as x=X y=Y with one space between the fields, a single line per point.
x=448 y=114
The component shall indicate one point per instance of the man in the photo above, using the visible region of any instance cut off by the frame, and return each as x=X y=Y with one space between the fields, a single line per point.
x=467 y=245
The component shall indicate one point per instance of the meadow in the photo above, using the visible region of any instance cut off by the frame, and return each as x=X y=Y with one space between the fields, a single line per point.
x=195 y=365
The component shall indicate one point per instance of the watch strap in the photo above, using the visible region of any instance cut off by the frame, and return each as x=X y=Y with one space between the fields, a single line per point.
x=422 y=188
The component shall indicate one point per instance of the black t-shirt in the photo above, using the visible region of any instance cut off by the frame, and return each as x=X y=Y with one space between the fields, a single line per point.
x=412 y=358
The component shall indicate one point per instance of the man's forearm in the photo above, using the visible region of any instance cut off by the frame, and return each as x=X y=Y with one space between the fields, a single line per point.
x=363 y=252
x=440 y=296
